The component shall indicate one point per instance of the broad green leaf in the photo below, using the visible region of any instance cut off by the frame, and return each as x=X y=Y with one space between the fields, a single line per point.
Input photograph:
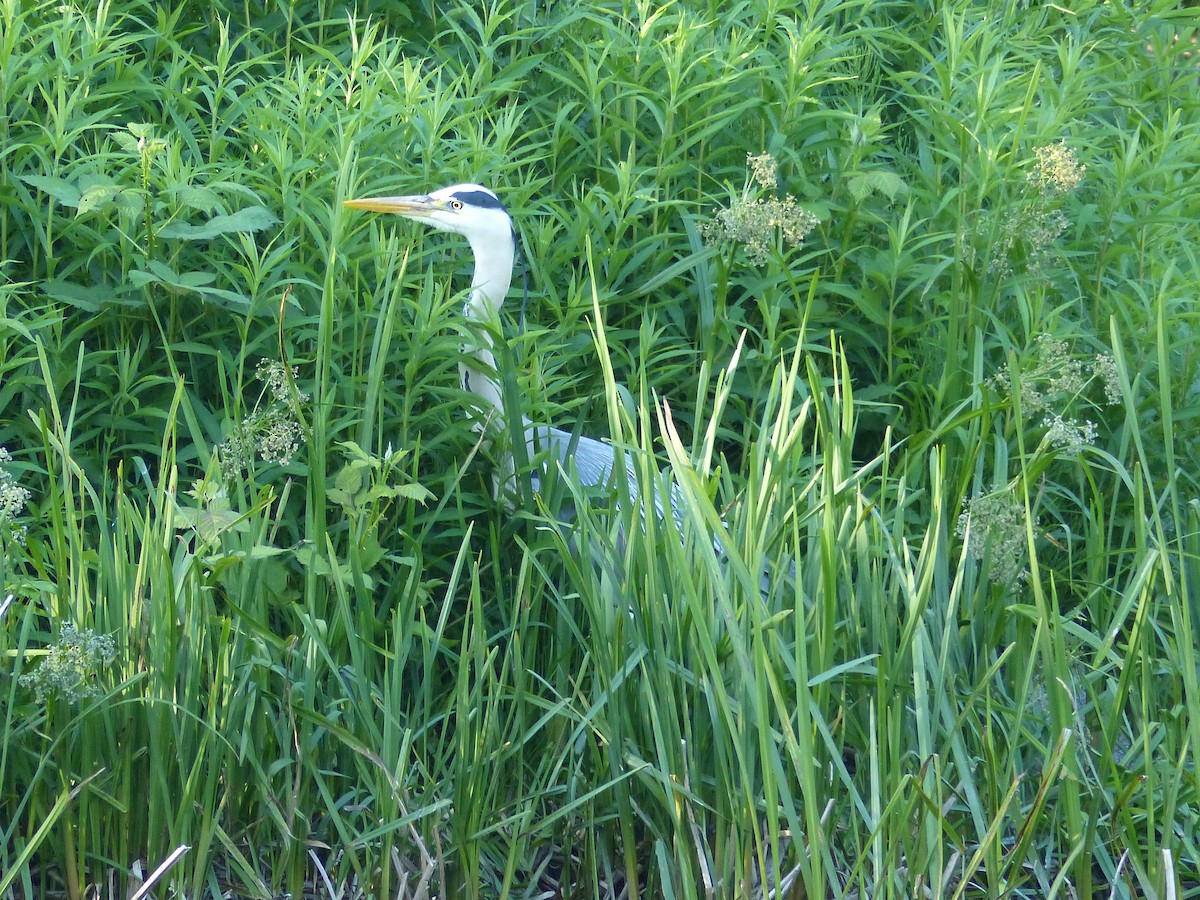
x=127 y=142
x=131 y=202
x=201 y=199
x=889 y=184
x=414 y=492
x=97 y=197
x=252 y=218
x=86 y=297
x=62 y=191
x=159 y=272
x=352 y=475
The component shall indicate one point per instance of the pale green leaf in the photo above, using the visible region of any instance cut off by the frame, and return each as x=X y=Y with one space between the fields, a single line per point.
x=63 y=191
x=250 y=219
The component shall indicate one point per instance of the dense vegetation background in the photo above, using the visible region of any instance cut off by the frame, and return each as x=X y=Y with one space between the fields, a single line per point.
x=903 y=296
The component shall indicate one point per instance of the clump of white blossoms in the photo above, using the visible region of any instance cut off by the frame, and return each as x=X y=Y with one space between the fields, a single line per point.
x=755 y=221
x=996 y=524
x=72 y=666
x=1056 y=170
x=272 y=432
x=1052 y=379
x=1068 y=434
x=1035 y=221
x=13 y=498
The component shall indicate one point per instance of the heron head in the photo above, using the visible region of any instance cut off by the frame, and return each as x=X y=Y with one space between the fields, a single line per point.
x=467 y=209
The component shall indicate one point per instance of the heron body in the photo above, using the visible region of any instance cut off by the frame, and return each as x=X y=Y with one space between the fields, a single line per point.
x=476 y=213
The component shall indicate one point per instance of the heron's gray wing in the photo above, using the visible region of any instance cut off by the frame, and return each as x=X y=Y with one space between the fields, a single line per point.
x=593 y=462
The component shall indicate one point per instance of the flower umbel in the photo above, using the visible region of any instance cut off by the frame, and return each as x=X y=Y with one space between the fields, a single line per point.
x=273 y=433
x=754 y=221
x=996 y=522
x=1056 y=170
x=72 y=666
x=13 y=498
x=275 y=376
x=1068 y=434
x=764 y=170
x=1052 y=380
x=1104 y=367
x=1034 y=222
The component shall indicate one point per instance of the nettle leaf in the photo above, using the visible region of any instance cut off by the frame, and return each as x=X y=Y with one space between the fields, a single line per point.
x=86 y=297
x=131 y=202
x=200 y=199
x=97 y=197
x=90 y=297
x=889 y=184
x=208 y=523
x=127 y=142
x=161 y=273
x=192 y=282
x=252 y=218
x=61 y=190
x=232 y=188
x=352 y=477
x=417 y=492
x=139 y=139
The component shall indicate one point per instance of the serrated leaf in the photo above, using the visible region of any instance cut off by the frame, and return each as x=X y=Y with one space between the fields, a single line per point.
x=88 y=181
x=259 y=551
x=209 y=523
x=62 y=191
x=350 y=478
x=353 y=450
x=197 y=198
x=156 y=272
x=85 y=297
x=127 y=142
x=131 y=203
x=370 y=552
x=340 y=497
x=96 y=197
x=141 y=278
x=224 y=298
x=878 y=182
x=414 y=492
x=252 y=218
x=196 y=280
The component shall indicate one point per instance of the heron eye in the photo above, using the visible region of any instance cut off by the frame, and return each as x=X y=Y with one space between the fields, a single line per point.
x=456 y=205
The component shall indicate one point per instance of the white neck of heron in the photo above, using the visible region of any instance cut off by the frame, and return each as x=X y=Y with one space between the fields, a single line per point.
x=489 y=286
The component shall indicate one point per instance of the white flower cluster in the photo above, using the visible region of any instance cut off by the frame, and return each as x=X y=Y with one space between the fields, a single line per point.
x=13 y=498
x=1053 y=379
x=273 y=433
x=754 y=221
x=996 y=524
x=72 y=666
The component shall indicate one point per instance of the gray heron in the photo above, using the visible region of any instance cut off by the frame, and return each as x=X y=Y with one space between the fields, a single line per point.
x=476 y=213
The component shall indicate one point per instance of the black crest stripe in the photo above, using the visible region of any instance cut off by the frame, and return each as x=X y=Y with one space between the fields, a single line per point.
x=480 y=199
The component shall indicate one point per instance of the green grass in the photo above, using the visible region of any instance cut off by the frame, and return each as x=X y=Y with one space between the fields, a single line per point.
x=348 y=670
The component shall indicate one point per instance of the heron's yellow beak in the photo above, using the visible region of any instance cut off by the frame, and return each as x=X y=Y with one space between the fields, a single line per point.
x=416 y=206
